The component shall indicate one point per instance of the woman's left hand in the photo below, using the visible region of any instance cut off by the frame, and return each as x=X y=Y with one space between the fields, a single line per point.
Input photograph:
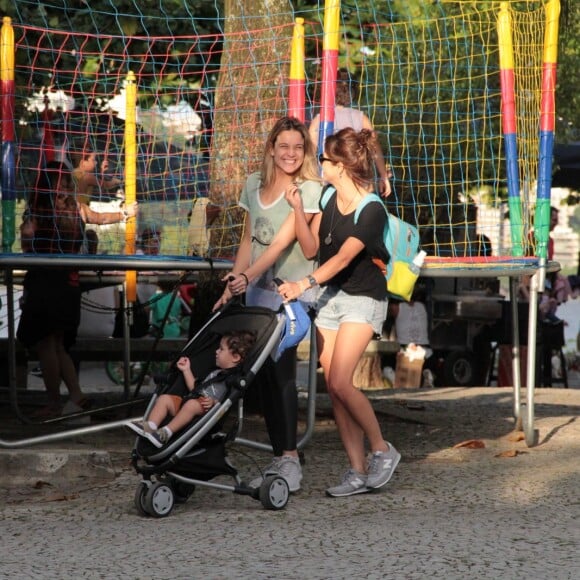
x=289 y=290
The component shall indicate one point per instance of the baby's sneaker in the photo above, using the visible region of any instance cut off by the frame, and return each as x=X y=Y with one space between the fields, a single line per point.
x=140 y=427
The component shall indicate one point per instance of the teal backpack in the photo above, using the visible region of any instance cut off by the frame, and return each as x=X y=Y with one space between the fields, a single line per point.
x=401 y=240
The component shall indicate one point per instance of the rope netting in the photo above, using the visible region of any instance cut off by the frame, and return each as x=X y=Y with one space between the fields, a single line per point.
x=428 y=80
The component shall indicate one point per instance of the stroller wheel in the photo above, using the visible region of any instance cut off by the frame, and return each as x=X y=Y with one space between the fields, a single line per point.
x=159 y=500
x=274 y=492
x=140 y=494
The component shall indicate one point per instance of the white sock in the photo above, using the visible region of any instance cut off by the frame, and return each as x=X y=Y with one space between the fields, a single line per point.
x=152 y=426
x=168 y=431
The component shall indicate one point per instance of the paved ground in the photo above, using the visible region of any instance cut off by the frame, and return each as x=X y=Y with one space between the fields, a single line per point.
x=498 y=511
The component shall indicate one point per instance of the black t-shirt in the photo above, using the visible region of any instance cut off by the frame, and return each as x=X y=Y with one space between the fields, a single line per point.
x=361 y=277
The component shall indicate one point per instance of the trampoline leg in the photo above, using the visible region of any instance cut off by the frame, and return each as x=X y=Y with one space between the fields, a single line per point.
x=517 y=379
x=531 y=434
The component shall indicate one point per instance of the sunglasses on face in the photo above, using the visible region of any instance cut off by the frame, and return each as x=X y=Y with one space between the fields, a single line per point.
x=322 y=159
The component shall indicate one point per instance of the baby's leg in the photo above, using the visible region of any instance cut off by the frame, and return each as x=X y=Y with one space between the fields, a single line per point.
x=165 y=405
x=190 y=409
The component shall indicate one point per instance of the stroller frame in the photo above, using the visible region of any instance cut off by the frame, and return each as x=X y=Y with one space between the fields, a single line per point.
x=164 y=483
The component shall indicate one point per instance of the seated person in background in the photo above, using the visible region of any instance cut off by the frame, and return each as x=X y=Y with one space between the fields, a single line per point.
x=232 y=350
x=166 y=308
x=150 y=242
x=557 y=287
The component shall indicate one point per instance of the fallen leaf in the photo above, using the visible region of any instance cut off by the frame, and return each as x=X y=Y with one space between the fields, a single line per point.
x=516 y=436
x=470 y=444
x=40 y=484
x=509 y=453
x=61 y=497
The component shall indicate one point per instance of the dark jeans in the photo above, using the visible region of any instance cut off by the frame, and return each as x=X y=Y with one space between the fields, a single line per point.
x=276 y=382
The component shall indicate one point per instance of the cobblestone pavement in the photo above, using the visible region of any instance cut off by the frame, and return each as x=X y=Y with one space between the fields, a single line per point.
x=499 y=511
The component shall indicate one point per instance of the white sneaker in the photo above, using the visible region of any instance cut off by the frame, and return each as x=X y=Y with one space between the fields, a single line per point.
x=287 y=467
x=291 y=470
x=270 y=469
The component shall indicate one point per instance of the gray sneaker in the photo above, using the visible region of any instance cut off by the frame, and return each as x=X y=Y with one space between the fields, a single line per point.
x=140 y=427
x=289 y=468
x=270 y=469
x=352 y=483
x=382 y=465
x=159 y=438
x=136 y=426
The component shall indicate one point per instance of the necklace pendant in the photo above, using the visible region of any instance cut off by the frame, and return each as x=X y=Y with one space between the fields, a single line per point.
x=328 y=239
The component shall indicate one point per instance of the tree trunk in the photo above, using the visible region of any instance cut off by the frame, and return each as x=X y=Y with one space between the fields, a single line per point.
x=250 y=97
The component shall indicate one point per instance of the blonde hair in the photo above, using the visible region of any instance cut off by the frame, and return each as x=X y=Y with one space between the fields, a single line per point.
x=309 y=168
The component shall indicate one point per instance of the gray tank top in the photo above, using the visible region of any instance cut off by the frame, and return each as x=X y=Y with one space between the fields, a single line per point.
x=346 y=117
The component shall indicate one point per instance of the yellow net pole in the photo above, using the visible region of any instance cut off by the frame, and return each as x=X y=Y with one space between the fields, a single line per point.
x=297 y=80
x=130 y=179
x=547 y=127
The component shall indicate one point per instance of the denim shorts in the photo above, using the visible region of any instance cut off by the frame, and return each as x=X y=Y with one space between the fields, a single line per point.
x=336 y=306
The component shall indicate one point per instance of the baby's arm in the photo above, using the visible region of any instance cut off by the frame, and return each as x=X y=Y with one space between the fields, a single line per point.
x=206 y=403
x=184 y=365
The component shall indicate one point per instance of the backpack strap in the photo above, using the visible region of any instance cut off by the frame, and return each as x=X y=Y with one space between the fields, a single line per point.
x=370 y=198
x=327 y=193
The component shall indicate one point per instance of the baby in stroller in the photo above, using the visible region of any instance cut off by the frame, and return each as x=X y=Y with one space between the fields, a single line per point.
x=231 y=352
x=197 y=453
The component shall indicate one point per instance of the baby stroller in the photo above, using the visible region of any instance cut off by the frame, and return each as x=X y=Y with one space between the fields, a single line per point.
x=197 y=454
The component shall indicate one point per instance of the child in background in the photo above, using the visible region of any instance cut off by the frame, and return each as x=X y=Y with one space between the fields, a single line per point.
x=88 y=182
x=232 y=350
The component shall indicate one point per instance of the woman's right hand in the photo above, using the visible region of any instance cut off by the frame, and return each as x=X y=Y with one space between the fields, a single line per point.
x=237 y=283
x=293 y=197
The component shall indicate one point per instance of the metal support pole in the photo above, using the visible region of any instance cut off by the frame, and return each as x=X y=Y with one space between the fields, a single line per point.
x=127 y=320
x=532 y=434
x=516 y=353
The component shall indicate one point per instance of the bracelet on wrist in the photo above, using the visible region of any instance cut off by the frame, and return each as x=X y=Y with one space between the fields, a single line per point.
x=312 y=281
x=245 y=278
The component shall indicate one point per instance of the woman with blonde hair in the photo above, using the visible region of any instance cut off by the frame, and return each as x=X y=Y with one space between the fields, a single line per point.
x=269 y=249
